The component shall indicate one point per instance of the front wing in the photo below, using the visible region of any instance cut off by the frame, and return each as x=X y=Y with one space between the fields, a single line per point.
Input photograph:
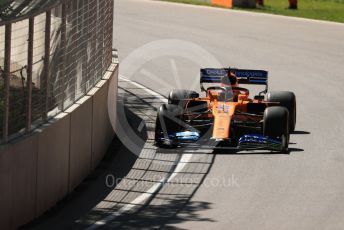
x=246 y=142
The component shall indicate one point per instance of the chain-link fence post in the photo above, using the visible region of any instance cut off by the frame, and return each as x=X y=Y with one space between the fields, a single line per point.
x=7 y=75
x=29 y=74
x=46 y=73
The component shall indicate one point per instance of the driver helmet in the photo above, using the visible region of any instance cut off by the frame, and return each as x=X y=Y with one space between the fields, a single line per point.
x=230 y=81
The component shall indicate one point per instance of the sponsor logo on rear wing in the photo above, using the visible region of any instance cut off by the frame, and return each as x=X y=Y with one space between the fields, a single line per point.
x=245 y=76
x=254 y=77
x=210 y=75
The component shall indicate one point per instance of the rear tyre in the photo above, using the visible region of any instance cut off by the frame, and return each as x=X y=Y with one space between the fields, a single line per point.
x=180 y=96
x=276 y=125
x=168 y=120
x=287 y=100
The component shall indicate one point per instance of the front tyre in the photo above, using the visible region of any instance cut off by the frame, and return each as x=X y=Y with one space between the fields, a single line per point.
x=276 y=125
x=288 y=100
x=168 y=121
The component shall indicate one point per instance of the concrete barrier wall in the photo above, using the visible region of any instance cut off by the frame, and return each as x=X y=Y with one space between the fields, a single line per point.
x=38 y=170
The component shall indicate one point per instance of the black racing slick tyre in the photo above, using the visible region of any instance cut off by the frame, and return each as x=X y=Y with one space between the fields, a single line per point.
x=276 y=125
x=168 y=120
x=288 y=100
x=179 y=96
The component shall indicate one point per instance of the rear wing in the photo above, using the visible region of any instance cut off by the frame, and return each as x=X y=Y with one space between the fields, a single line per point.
x=245 y=76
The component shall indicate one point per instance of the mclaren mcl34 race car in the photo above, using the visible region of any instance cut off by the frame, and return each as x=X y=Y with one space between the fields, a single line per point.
x=226 y=117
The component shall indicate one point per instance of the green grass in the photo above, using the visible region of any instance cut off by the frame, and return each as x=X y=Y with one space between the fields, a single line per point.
x=329 y=10
x=3 y=1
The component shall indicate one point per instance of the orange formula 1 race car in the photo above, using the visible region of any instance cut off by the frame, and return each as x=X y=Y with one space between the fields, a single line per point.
x=227 y=117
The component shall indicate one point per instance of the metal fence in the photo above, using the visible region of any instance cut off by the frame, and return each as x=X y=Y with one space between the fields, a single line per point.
x=51 y=54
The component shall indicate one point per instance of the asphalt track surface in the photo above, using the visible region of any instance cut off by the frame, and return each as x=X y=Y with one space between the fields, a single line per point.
x=202 y=189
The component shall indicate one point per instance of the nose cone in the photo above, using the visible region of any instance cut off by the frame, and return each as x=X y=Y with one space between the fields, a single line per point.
x=223 y=113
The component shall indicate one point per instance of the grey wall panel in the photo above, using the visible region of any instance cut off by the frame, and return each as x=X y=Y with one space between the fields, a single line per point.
x=81 y=142
x=18 y=163
x=102 y=131
x=53 y=164
x=24 y=179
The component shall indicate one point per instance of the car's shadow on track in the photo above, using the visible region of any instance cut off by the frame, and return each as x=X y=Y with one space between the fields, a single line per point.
x=224 y=152
x=299 y=132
